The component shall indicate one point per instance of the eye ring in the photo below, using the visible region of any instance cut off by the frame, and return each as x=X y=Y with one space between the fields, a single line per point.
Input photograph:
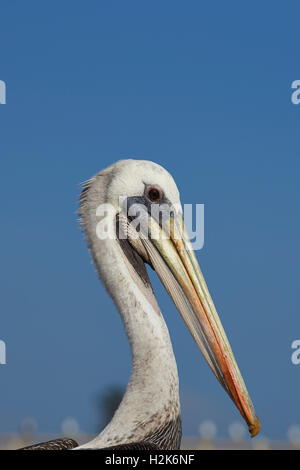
x=154 y=193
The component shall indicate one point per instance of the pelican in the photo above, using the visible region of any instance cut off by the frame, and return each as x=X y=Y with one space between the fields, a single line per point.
x=148 y=416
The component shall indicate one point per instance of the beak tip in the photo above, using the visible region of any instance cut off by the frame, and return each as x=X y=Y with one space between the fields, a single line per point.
x=254 y=427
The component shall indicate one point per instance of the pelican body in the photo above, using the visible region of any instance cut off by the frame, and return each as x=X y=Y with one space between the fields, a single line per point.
x=149 y=414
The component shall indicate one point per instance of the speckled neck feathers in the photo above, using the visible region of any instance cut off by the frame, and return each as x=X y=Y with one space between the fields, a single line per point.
x=150 y=408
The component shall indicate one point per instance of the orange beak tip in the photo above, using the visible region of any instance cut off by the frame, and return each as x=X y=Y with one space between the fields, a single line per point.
x=254 y=428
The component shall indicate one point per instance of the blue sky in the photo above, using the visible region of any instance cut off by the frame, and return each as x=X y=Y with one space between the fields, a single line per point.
x=203 y=88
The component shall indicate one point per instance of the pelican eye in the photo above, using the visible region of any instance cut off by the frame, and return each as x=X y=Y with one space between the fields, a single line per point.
x=154 y=193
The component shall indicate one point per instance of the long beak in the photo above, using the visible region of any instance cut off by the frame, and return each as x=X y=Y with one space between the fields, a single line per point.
x=174 y=261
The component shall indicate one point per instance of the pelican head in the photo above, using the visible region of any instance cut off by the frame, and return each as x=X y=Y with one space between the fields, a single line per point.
x=143 y=202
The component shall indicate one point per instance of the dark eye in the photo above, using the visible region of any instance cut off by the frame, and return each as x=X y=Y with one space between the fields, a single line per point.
x=154 y=193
